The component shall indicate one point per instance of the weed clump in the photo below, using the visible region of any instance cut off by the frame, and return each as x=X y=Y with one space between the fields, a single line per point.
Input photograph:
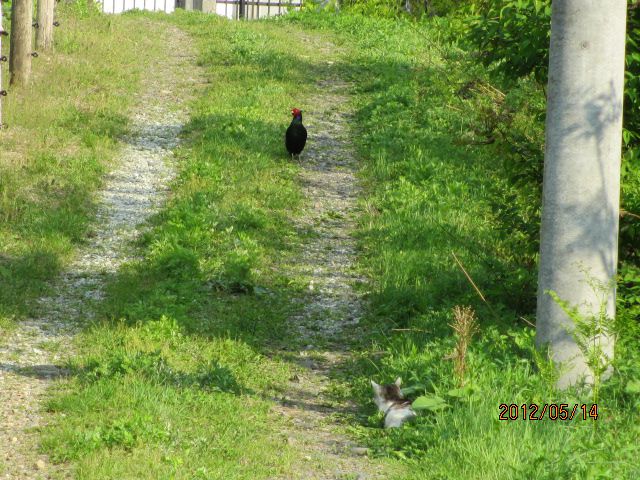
x=464 y=327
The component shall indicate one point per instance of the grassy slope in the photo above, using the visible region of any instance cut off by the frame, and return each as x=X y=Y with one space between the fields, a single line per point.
x=432 y=192
x=174 y=383
x=177 y=381
x=51 y=162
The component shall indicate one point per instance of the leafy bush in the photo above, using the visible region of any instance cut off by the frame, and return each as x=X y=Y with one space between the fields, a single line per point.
x=513 y=36
x=513 y=39
x=381 y=8
x=417 y=8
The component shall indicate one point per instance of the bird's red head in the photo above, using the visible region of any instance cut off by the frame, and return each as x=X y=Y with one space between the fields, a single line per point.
x=295 y=112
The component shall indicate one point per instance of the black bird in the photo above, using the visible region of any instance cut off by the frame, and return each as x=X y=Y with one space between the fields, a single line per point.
x=296 y=135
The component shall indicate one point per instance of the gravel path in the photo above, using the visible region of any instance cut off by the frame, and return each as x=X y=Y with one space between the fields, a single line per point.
x=328 y=320
x=31 y=358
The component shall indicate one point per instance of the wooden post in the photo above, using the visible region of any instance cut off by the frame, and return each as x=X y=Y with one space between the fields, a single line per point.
x=44 y=32
x=1 y=62
x=20 y=53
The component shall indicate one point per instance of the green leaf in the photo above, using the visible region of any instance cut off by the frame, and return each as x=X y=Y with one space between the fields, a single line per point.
x=633 y=387
x=400 y=454
x=458 y=393
x=411 y=389
x=462 y=392
x=432 y=402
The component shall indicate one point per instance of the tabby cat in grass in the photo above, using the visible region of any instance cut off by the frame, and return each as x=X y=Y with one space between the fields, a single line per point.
x=391 y=402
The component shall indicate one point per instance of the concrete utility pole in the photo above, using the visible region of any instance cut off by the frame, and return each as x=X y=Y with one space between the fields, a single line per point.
x=581 y=192
x=20 y=54
x=44 y=32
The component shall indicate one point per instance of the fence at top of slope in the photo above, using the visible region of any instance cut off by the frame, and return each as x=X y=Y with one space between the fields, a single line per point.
x=233 y=9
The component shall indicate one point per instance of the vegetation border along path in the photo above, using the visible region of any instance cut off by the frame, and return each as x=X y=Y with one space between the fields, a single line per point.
x=31 y=358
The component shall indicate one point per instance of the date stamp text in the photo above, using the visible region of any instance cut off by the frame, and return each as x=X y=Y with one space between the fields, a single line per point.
x=552 y=411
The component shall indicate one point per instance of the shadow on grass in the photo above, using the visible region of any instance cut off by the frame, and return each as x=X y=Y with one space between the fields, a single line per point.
x=24 y=278
x=154 y=367
x=41 y=371
x=432 y=195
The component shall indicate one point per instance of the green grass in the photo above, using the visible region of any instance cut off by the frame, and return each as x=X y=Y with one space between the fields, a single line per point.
x=153 y=402
x=176 y=379
x=52 y=162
